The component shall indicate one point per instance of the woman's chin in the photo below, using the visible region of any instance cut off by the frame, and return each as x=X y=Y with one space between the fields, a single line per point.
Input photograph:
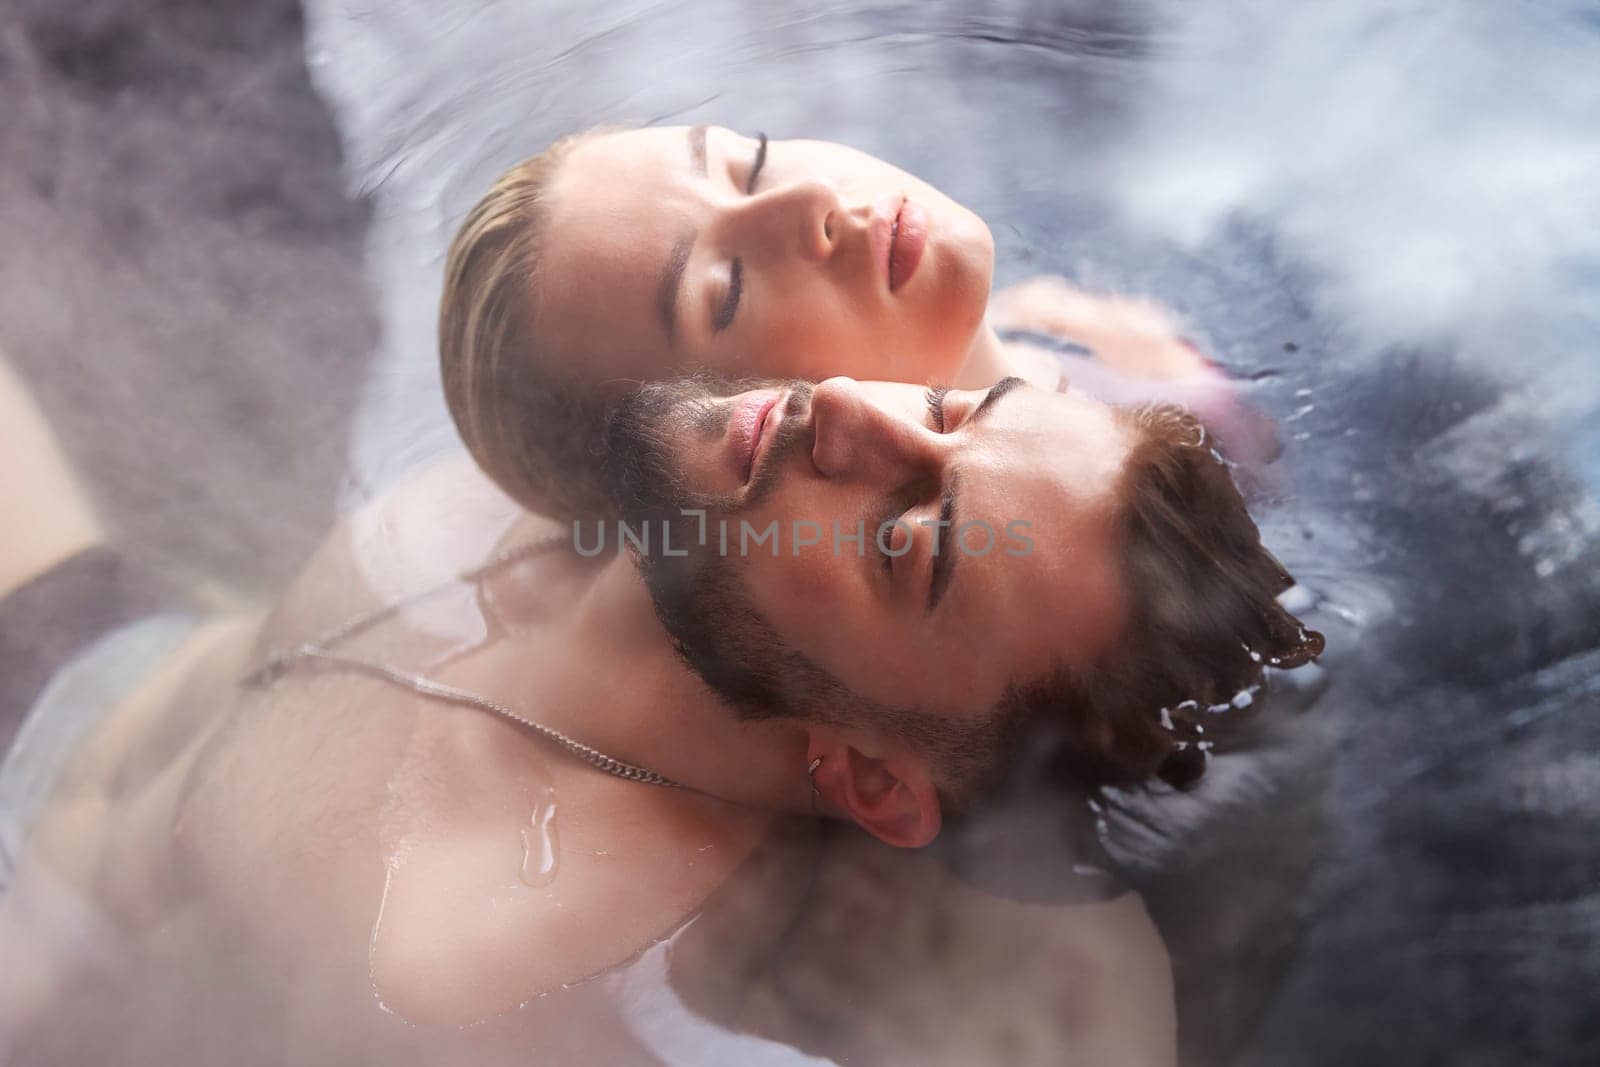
x=971 y=232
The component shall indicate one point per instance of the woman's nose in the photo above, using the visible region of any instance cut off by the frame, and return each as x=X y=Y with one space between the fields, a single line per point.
x=857 y=437
x=799 y=217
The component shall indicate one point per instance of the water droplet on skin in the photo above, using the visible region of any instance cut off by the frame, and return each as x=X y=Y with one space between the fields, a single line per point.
x=539 y=848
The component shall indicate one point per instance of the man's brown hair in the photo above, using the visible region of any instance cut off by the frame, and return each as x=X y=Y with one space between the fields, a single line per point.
x=1204 y=623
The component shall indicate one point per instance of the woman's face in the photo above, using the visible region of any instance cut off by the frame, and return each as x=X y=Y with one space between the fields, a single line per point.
x=690 y=247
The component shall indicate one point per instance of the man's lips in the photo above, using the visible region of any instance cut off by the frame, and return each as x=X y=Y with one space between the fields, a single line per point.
x=771 y=415
x=752 y=422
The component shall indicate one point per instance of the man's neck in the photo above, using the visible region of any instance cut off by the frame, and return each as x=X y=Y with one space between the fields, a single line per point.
x=643 y=706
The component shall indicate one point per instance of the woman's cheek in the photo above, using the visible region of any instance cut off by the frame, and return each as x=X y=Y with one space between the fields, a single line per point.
x=822 y=336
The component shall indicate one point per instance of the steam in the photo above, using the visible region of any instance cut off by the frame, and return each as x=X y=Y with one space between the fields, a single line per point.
x=1437 y=165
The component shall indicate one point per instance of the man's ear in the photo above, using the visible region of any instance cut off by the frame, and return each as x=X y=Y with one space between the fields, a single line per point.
x=885 y=789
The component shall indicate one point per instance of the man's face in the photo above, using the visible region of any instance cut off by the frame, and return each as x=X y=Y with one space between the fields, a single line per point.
x=673 y=240
x=1025 y=577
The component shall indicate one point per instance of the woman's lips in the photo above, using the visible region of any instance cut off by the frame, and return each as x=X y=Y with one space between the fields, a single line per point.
x=899 y=234
x=910 y=238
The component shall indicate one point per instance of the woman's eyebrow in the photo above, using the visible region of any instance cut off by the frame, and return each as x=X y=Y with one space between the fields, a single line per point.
x=671 y=281
x=672 y=273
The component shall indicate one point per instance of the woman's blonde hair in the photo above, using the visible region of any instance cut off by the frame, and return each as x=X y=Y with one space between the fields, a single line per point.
x=524 y=413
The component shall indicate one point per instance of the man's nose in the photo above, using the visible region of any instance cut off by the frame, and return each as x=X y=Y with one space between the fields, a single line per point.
x=858 y=438
x=796 y=218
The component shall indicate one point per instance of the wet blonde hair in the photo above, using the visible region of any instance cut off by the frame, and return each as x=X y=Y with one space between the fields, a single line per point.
x=524 y=413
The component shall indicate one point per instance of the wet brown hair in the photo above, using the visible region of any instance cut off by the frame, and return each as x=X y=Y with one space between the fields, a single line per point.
x=528 y=419
x=1204 y=623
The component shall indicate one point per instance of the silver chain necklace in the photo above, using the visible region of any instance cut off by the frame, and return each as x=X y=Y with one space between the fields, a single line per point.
x=280 y=661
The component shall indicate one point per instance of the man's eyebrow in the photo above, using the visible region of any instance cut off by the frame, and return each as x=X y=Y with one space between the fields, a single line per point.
x=671 y=282
x=992 y=397
x=944 y=561
x=697 y=148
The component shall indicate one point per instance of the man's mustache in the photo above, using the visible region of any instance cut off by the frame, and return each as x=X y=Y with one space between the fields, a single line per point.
x=642 y=467
x=793 y=434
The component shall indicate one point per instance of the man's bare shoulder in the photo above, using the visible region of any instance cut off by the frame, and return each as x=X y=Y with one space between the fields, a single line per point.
x=462 y=939
x=444 y=519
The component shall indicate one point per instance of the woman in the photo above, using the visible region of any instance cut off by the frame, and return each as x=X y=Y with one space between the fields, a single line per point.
x=619 y=256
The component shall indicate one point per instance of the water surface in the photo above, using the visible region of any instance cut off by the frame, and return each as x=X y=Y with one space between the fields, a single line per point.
x=1385 y=217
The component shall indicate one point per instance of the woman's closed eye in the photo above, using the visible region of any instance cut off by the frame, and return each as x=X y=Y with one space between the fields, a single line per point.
x=722 y=318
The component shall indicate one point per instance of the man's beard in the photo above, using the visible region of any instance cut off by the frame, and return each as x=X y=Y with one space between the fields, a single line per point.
x=700 y=597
